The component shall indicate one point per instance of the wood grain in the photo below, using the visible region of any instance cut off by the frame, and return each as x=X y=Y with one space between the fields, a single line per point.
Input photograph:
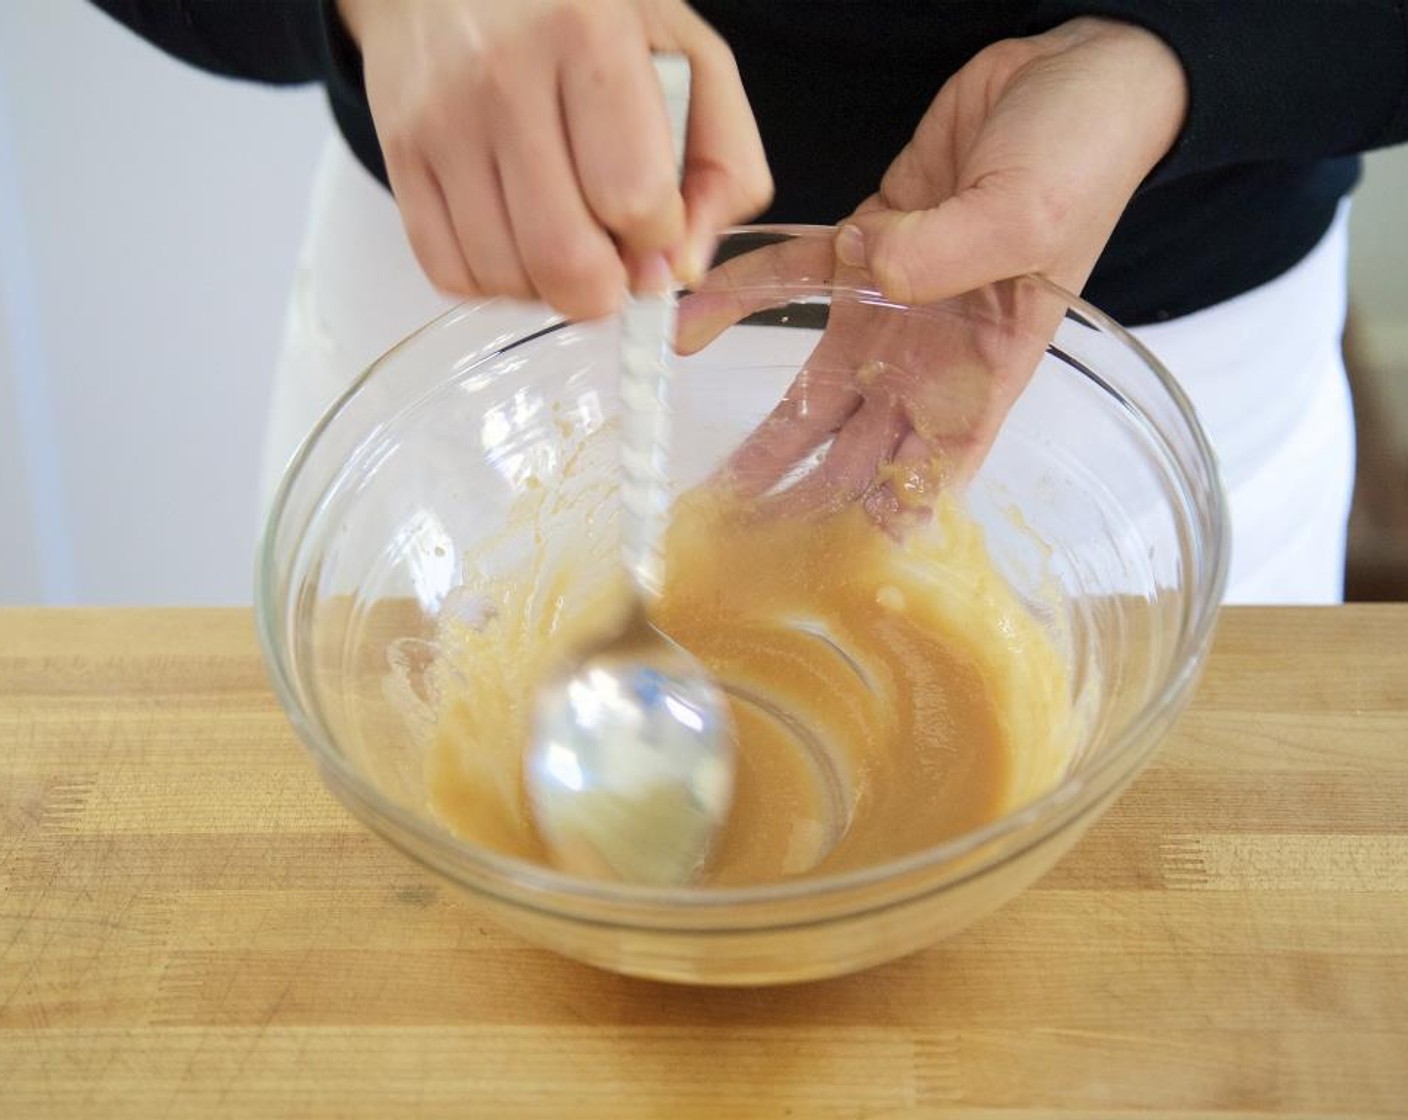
x=190 y=926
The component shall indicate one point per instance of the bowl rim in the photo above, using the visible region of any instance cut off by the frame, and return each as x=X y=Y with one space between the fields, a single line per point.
x=1046 y=814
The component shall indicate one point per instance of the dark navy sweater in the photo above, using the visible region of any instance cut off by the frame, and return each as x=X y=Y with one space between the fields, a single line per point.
x=1283 y=96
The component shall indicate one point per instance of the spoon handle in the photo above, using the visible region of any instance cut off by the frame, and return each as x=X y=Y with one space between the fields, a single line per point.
x=647 y=334
x=646 y=326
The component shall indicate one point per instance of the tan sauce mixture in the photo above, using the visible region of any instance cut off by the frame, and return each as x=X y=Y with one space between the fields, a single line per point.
x=886 y=695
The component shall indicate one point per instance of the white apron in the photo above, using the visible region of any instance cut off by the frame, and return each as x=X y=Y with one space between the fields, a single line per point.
x=1264 y=371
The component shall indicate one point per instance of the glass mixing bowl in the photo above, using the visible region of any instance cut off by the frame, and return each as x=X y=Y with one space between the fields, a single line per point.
x=1100 y=486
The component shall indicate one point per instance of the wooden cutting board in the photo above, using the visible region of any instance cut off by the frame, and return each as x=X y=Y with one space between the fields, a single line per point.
x=190 y=926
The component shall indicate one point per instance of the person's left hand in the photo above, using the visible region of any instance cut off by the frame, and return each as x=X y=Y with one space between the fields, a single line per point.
x=1023 y=164
x=910 y=398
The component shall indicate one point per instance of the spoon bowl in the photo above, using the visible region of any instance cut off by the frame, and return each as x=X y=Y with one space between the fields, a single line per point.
x=631 y=772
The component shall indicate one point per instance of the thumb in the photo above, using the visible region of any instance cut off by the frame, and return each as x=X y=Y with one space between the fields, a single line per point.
x=983 y=234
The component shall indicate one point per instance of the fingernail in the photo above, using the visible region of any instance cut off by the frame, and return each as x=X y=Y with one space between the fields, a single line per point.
x=850 y=246
x=651 y=274
x=698 y=256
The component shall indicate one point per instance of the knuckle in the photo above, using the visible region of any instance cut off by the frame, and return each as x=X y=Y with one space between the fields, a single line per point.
x=566 y=20
x=891 y=266
x=757 y=189
x=399 y=146
x=489 y=62
x=746 y=192
x=574 y=261
x=1035 y=228
x=1004 y=50
x=713 y=51
x=436 y=119
x=497 y=71
x=572 y=274
x=636 y=204
x=444 y=275
x=503 y=278
x=430 y=108
x=583 y=300
x=578 y=24
x=1007 y=55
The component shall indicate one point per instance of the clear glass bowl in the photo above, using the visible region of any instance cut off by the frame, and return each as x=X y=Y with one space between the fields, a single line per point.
x=1099 y=480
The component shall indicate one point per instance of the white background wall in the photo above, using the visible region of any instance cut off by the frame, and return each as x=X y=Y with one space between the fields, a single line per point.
x=149 y=222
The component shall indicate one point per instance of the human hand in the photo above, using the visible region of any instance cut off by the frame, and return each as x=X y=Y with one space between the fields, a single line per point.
x=528 y=146
x=1023 y=164
x=909 y=397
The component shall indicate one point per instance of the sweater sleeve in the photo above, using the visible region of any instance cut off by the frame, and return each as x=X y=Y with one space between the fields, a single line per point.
x=1273 y=80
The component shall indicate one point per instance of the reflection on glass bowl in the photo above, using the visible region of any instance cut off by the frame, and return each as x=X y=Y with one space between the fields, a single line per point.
x=1099 y=502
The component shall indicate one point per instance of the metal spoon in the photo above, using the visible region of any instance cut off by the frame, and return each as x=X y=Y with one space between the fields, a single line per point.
x=630 y=770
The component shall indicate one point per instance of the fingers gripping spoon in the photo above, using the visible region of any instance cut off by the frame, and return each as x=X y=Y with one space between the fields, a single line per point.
x=630 y=768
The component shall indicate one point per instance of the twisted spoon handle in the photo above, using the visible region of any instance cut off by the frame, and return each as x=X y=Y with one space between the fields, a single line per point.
x=647 y=333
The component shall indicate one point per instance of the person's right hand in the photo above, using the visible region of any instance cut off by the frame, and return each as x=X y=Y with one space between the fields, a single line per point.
x=528 y=147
